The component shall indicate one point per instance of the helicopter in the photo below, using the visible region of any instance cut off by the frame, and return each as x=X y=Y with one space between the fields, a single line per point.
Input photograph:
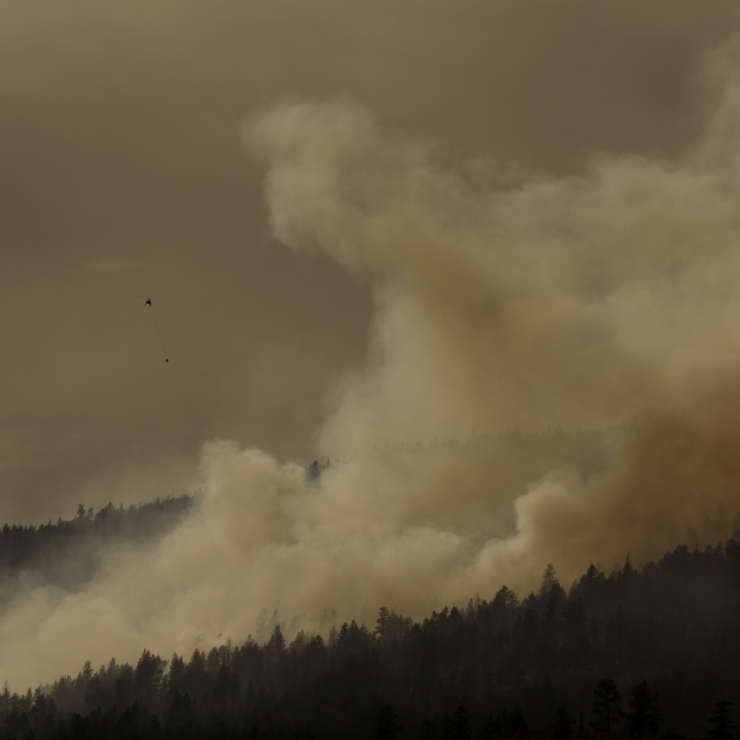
x=148 y=303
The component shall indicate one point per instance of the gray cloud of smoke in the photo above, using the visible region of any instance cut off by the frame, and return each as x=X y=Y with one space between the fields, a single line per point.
x=604 y=299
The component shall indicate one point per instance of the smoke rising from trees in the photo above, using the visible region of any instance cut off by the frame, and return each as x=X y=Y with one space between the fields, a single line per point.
x=604 y=301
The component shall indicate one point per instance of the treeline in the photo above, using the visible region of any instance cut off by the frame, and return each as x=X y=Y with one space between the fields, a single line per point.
x=496 y=668
x=67 y=553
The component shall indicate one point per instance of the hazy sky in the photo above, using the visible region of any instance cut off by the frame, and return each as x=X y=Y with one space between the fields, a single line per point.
x=124 y=173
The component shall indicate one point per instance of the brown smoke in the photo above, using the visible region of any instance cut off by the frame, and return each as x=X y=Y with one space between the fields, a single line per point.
x=583 y=303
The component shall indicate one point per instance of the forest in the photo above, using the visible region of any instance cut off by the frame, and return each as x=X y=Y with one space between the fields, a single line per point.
x=653 y=652
x=68 y=553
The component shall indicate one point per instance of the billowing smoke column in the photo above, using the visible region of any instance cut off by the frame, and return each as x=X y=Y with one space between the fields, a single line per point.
x=608 y=300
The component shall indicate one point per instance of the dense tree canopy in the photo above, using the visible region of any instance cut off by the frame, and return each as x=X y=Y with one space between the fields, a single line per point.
x=68 y=553
x=666 y=637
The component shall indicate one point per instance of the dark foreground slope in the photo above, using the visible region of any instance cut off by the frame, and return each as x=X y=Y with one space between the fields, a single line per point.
x=674 y=625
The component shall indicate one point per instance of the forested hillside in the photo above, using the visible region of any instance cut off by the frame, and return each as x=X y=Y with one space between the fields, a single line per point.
x=68 y=553
x=662 y=644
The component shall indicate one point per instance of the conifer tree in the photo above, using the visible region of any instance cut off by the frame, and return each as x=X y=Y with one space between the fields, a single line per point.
x=722 y=724
x=386 y=724
x=562 y=726
x=645 y=710
x=606 y=707
x=460 y=724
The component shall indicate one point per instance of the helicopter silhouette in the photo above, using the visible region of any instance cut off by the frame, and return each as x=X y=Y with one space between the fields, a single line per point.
x=148 y=303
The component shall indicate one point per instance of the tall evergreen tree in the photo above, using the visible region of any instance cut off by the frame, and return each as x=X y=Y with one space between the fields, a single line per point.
x=645 y=711
x=722 y=723
x=382 y=621
x=562 y=726
x=606 y=708
x=460 y=724
x=386 y=724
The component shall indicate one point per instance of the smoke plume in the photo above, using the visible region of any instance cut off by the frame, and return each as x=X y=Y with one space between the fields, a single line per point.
x=606 y=301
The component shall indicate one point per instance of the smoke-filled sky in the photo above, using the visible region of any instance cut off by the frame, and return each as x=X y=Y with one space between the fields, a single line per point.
x=363 y=225
x=123 y=173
